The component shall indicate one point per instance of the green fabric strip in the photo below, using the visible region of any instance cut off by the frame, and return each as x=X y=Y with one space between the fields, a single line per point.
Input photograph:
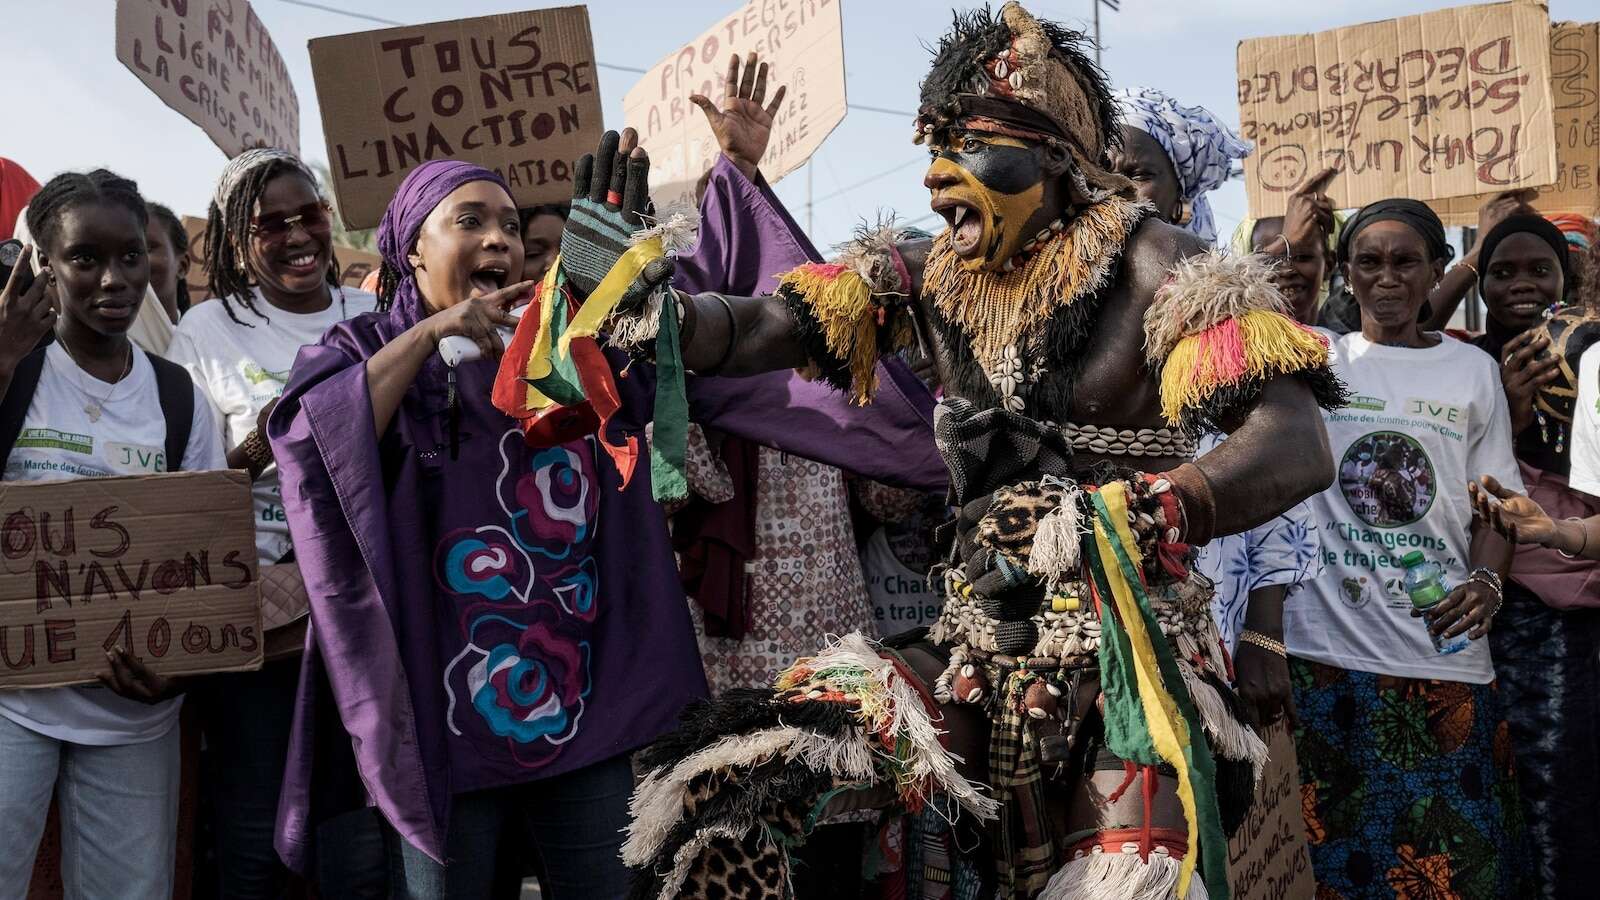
x=1127 y=735
x=671 y=436
x=1202 y=768
x=562 y=384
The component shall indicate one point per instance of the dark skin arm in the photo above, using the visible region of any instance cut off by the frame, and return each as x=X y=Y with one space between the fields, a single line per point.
x=1262 y=676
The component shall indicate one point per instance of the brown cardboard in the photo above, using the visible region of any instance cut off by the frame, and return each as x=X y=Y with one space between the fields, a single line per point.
x=163 y=565
x=353 y=264
x=802 y=43
x=1267 y=857
x=1449 y=103
x=216 y=65
x=516 y=93
x=1575 y=89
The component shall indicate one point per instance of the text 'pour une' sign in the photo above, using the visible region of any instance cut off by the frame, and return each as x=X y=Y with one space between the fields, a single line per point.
x=1445 y=104
x=163 y=566
x=802 y=43
x=215 y=63
x=515 y=93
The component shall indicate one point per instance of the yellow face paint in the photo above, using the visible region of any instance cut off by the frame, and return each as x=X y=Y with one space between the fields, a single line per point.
x=999 y=178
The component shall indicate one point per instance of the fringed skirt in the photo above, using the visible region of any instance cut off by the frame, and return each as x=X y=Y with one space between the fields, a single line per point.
x=1408 y=787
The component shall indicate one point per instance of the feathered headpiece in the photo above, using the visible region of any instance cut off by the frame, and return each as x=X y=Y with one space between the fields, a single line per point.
x=1023 y=77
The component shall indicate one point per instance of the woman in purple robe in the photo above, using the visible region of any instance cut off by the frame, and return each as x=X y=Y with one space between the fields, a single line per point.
x=489 y=618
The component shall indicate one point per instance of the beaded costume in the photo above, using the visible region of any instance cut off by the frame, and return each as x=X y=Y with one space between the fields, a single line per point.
x=1099 y=597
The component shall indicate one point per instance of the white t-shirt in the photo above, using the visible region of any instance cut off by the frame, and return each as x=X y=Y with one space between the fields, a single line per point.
x=1586 y=425
x=1420 y=424
x=242 y=368
x=58 y=442
x=900 y=596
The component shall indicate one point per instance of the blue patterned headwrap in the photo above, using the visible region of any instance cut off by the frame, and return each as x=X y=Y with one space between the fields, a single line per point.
x=1202 y=149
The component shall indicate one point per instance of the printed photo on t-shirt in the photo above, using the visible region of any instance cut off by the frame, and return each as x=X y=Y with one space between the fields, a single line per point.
x=1388 y=479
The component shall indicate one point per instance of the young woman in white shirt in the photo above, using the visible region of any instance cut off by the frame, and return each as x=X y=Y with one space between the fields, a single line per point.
x=1405 y=767
x=269 y=261
x=109 y=754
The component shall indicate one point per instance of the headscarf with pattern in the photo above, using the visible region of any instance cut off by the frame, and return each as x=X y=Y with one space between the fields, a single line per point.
x=1578 y=229
x=1202 y=149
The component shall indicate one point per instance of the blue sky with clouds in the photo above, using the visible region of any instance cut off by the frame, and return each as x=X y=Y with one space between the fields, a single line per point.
x=73 y=106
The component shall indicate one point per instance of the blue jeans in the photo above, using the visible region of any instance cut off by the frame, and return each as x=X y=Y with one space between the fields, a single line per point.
x=575 y=822
x=247 y=717
x=119 y=813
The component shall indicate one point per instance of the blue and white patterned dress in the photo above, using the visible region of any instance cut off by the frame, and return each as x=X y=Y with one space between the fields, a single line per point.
x=1283 y=551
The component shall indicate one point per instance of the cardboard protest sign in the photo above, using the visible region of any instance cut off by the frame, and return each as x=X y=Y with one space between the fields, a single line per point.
x=162 y=565
x=803 y=46
x=1267 y=856
x=1444 y=104
x=1575 y=90
x=214 y=63
x=515 y=93
x=353 y=264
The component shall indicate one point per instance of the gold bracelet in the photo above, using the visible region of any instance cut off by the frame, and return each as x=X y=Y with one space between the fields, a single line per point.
x=1469 y=267
x=1258 y=639
x=257 y=451
x=1583 y=530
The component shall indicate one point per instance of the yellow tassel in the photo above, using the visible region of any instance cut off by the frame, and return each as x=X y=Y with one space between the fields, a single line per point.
x=841 y=301
x=1272 y=344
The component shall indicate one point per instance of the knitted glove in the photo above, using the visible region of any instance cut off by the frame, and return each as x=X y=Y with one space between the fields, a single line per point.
x=610 y=191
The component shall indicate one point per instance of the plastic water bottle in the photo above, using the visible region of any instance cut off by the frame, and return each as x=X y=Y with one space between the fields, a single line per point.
x=1424 y=582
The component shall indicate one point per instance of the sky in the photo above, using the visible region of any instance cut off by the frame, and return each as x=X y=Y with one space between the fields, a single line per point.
x=73 y=106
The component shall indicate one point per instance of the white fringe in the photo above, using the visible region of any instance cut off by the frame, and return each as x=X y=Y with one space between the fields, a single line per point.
x=639 y=329
x=1055 y=552
x=657 y=803
x=684 y=859
x=1204 y=290
x=1230 y=738
x=1121 y=876
x=678 y=232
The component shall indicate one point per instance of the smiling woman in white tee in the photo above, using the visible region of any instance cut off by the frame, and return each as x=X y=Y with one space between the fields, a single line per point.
x=91 y=404
x=269 y=260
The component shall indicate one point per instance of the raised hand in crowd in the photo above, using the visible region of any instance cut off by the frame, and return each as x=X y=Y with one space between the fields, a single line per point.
x=742 y=125
x=27 y=313
x=1525 y=369
x=1521 y=520
x=1308 y=220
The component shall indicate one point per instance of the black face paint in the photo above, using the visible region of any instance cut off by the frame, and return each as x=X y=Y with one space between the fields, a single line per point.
x=1000 y=168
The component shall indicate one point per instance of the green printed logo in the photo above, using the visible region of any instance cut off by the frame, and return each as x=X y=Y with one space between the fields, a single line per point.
x=56 y=440
x=1374 y=404
x=254 y=374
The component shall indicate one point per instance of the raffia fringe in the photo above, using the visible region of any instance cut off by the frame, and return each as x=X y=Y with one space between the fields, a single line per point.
x=999 y=308
x=1230 y=738
x=841 y=301
x=1206 y=290
x=1259 y=344
x=1121 y=876
x=678 y=233
x=641 y=328
x=1058 y=542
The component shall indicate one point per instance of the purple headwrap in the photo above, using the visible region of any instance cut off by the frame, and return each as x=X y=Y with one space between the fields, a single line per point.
x=424 y=188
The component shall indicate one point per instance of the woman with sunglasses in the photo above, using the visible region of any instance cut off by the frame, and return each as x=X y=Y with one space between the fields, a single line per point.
x=269 y=260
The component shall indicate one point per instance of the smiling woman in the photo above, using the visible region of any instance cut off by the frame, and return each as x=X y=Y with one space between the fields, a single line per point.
x=269 y=258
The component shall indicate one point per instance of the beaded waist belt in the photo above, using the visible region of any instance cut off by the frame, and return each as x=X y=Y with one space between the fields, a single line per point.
x=1107 y=440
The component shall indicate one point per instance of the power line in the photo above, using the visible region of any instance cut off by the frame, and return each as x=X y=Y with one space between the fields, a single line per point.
x=865 y=181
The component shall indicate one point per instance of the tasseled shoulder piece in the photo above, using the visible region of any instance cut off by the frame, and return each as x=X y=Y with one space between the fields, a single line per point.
x=847 y=313
x=1218 y=331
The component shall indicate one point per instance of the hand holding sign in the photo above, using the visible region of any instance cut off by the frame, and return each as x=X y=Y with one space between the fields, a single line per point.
x=743 y=126
x=131 y=678
x=1495 y=210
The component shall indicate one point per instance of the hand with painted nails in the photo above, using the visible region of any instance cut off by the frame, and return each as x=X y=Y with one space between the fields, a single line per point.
x=743 y=126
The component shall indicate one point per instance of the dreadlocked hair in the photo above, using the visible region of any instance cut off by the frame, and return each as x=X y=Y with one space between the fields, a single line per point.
x=978 y=34
x=71 y=189
x=227 y=240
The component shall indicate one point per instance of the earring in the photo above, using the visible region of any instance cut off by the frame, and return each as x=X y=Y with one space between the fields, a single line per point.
x=1185 y=213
